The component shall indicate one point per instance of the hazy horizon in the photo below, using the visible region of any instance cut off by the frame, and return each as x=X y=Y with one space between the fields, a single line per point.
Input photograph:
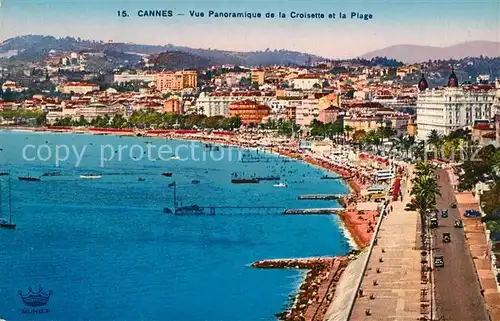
x=401 y=22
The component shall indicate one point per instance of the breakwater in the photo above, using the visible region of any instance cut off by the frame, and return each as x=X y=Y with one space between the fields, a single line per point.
x=318 y=289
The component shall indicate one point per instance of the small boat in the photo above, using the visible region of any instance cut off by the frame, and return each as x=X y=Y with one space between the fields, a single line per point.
x=281 y=185
x=175 y=158
x=168 y=174
x=4 y=174
x=195 y=181
x=269 y=178
x=140 y=179
x=7 y=224
x=329 y=177
x=189 y=210
x=244 y=181
x=29 y=178
x=90 y=176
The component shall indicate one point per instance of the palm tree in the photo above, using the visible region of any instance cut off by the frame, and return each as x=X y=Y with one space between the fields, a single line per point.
x=434 y=139
x=425 y=189
x=373 y=138
x=347 y=130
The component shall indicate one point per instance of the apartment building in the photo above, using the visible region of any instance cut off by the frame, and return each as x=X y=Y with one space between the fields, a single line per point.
x=217 y=103
x=128 y=77
x=258 y=76
x=306 y=82
x=250 y=112
x=78 y=88
x=307 y=111
x=176 y=80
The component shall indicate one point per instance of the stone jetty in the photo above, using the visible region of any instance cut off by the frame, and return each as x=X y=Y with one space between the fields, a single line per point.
x=318 y=289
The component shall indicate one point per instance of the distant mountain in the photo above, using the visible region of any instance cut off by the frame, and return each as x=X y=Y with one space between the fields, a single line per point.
x=37 y=47
x=414 y=53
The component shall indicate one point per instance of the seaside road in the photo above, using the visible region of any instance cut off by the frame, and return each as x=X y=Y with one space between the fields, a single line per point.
x=457 y=290
x=397 y=292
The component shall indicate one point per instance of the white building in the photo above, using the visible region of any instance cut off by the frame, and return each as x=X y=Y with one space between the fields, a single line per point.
x=306 y=82
x=449 y=108
x=279 y=106
x=128 y=77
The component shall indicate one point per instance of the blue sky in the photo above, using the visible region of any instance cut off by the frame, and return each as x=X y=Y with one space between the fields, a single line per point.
x=422 y=22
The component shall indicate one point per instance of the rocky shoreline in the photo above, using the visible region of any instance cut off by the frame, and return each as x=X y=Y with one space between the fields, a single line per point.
x=316 y=291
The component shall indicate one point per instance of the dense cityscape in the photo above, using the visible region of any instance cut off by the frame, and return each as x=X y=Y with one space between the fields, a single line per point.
x=416 y=143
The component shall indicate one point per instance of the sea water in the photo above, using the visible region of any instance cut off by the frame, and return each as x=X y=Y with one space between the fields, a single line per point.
x=107 y=251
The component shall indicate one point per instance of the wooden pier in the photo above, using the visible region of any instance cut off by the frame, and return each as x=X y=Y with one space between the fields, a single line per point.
x=247 y=210
x=309 y=211
x=321 y=196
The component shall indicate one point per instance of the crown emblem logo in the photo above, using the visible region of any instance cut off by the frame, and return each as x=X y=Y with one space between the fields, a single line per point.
x=35 y=299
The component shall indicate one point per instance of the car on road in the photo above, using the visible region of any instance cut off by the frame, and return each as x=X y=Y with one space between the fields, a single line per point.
x=458 y=223
x=444 y=213
x=434 y=222
x=446 y=238
x=438 y=261
x=472 y=213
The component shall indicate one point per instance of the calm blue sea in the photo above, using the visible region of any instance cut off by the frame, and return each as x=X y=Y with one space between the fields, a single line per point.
x=108 y=252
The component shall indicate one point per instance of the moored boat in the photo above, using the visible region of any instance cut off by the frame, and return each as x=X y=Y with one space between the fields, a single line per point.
x=167 y=174
x=244 y=181
x=90 y=176
x=29 y=178
x=281 y=185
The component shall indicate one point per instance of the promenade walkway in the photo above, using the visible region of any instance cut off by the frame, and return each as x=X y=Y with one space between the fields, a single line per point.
x=395 y=283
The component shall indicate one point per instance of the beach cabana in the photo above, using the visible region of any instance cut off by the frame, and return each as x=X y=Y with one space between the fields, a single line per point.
x=376 y=189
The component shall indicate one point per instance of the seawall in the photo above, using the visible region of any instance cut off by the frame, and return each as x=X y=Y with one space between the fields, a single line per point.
x=347 y=288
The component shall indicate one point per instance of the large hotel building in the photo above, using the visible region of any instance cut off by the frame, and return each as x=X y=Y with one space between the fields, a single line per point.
x=176 y=80
x=446 y=109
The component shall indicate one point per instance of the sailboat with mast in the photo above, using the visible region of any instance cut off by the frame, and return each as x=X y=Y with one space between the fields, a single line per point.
x=7 y=224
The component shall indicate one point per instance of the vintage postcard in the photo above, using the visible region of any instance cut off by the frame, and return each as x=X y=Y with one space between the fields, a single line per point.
x=249 y=160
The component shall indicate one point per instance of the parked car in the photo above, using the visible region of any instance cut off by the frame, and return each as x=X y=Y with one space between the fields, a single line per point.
x=446 y=238
x=458 y=223
x=472 y=213
x=453 y=205
x=444 y=213
x=438 y=261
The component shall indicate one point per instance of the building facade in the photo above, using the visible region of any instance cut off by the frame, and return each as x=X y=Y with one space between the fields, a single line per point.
x=176 y=80
x=78 y=88
x=128 y=77
x=217 y=103
x=258 y=77
x=250 y=112
x=449 y=108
